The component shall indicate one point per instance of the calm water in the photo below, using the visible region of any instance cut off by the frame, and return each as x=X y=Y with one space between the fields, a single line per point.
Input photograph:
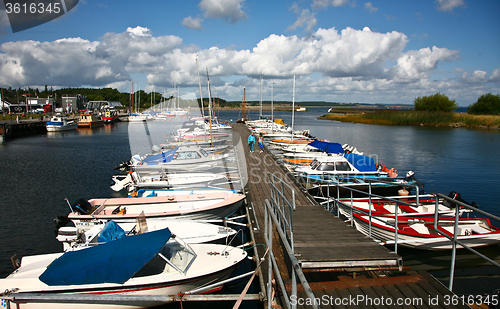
x=37 y=173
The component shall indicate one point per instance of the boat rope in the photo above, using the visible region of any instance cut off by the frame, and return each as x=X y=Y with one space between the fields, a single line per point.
x=245 y=290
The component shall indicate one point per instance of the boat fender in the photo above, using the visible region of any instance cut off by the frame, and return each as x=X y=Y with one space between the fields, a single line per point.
x=380 y=167
x=392 y=172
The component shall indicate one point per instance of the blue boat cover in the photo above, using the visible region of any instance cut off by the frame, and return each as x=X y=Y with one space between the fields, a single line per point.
x=327 y=147
x=113 y=262
x=110 y=231
x=163 y=157
x=361 y=162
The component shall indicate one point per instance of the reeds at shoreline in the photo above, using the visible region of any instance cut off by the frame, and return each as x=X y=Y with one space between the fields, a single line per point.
x=411 y=117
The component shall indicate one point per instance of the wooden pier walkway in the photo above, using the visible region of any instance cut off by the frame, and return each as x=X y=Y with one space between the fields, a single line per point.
x=344 y=268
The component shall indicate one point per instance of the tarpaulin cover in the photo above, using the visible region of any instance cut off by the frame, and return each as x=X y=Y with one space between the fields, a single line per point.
x=110 y=231
x=112 y=262
x=361 y=162
x=327 y=146
x=162 y=157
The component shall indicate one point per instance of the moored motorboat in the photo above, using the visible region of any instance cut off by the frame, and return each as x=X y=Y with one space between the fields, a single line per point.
x=351 y=170
x=419 y=233
x=406 y=206
x=61 y=123
x=153 y=263
x=192 y=232
x=136 y=118
x=110 y=115
x=310 y=152
x=202 y=205
x=179 y=158
x=135 y=181
x=90 y=120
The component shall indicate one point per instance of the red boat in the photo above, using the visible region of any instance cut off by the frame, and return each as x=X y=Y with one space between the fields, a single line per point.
x=110 y=115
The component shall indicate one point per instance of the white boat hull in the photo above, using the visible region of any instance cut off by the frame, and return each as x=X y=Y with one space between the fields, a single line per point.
x=384 y=233
x=207 y=269
x=192 y=207
x=56 y=128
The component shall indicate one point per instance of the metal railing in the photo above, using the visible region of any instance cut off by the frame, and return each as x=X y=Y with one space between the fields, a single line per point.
x=460 y=206
x=371 y=196
x=329 y=180
x=454 y=239
x=278 y=216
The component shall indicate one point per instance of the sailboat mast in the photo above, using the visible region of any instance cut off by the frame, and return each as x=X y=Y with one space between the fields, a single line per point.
x=244 y=100
x=210 y=110
x=201 y=96
x=293 y=103
x=260 y=114
x=272 y=107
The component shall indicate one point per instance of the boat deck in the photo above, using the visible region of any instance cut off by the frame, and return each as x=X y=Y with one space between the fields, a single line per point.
x=340 y=263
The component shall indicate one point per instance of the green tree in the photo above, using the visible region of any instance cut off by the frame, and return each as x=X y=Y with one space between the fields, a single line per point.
x=487 y=104
x=435 y=103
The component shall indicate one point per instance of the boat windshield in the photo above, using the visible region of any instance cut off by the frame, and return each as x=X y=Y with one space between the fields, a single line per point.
x=327 y=166
x=314 y=164
x=187 y=155
x=342 y=166
x=173 y=257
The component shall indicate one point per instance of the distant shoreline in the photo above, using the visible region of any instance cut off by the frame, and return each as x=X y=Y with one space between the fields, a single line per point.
x=420 y=118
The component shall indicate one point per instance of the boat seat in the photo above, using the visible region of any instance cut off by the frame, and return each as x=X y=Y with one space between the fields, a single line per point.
x=407 y=209
x=379 y=207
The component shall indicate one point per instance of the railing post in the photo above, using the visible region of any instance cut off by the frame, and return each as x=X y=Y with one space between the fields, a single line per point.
x=352 y=207
x=396 y=229
x=454 y=250
x=370 y=207
x=327 y=195
x=270 y=266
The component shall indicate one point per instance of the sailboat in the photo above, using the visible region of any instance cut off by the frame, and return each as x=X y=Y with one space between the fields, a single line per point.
x=135 y=117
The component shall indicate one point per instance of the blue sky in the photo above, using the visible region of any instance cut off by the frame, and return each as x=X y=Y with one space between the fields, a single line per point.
x=339 y=50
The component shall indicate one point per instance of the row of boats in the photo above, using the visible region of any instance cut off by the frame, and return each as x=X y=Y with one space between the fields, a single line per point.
x=89 y=119
x=169 y=234
x=60 y=122
x=378 y=201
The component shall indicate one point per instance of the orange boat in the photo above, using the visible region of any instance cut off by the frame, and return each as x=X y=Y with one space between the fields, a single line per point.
x=291 y=141
x=90 y=120
x=298 y=161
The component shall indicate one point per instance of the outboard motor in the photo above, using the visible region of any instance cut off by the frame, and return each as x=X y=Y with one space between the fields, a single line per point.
x=458 y=197
x=83 y=207
x=124 y=166
x=68 y=235
x=61 y=221
x=411 y=176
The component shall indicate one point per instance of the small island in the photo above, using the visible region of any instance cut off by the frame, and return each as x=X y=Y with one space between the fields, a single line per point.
x=435 y=110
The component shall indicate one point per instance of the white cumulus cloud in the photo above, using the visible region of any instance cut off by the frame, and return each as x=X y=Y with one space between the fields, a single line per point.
x=192 y=23
x=322 y=4
x=370 y=8
x=348 y=63
x=449 y=5
x=305 y=19
x=231 y=11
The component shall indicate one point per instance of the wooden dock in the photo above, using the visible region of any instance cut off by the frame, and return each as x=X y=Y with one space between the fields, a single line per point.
x=344 y=268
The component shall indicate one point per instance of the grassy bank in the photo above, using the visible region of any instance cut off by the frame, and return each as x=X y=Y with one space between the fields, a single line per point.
x=412 y=117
